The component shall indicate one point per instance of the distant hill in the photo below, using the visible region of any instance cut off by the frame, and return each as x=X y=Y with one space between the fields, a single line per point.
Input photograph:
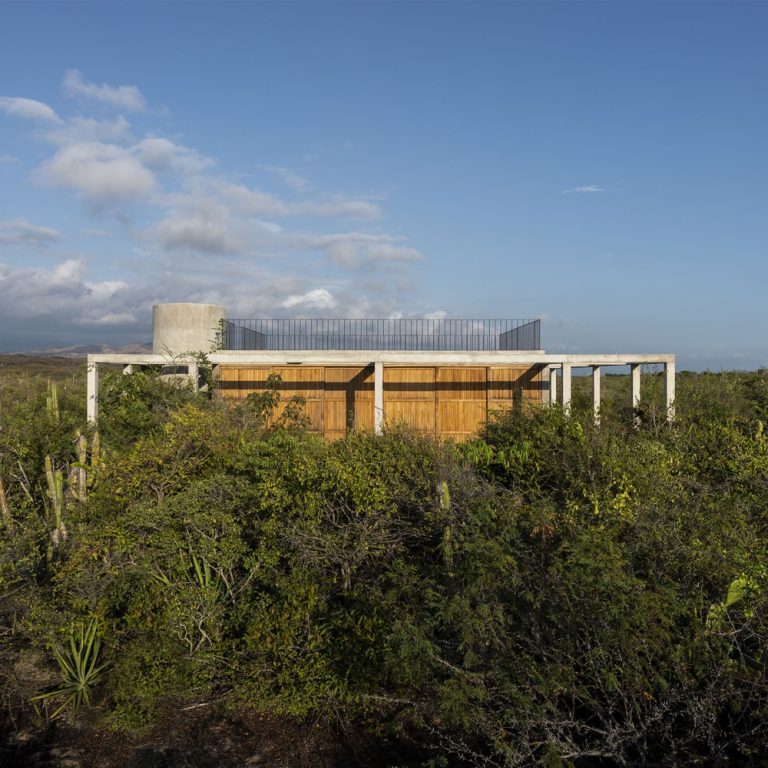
x=81 y=350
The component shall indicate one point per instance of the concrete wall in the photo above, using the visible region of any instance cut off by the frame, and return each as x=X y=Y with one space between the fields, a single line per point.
x=180 y=328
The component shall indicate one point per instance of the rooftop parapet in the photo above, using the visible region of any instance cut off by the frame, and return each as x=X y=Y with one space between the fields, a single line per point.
x=444 y=335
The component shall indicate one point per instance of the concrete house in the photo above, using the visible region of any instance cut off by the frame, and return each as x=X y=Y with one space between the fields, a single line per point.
x=442 y=377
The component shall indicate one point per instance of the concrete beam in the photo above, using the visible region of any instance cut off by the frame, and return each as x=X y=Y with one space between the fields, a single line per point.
x=405 y=358
x=596 y=393
x=378 y=397
x=92 y=388
x=669 y=390
x=566 y=387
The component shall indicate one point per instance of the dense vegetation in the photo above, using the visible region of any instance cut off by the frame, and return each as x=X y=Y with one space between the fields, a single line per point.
x=552 y=593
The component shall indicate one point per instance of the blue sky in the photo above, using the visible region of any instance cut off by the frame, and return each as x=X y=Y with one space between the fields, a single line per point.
x=603 y=166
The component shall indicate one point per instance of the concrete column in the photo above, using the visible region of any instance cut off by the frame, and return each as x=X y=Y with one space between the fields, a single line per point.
x=567 y=387
x=553 y=385
x=635 y=368
x=194 y=371
x=596 y=392
x=92 y=401
x=378 y=398
x=669 y=390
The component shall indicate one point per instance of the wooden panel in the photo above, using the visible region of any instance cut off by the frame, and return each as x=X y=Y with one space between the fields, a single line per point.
x=504 y=382
x=300 y=380
x=364 y=415
x=460 y=416
x=339 y=382
x=461 y=383
x=336 y=416
x=448 y=401
x=532 y=385
x=229 y=382
x=409 y=384
x=419 y=414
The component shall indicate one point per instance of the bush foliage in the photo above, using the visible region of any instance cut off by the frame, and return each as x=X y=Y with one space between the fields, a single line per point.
x=550 y=593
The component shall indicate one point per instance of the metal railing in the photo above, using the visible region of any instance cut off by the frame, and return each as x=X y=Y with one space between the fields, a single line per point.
x=396 y=335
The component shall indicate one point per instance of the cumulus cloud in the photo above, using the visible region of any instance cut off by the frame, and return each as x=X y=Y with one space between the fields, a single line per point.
x=125 y=97
x=255 y=202
x=289 y=177
x=28 y=108
x=586 y=189
x=21 y=232
x=195 y=213
x=205 y=227
x=317 y=298
x=355 y=209
x=162 y=155
x=78 y=129
x=354 y=249
x=103 y=174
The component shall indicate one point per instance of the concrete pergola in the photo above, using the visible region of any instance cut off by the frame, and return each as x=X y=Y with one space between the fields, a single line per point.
x=557 y=366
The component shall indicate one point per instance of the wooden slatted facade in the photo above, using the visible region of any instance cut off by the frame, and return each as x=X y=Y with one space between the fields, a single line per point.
x=442 y=401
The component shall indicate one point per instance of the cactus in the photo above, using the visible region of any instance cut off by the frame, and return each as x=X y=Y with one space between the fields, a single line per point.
x=52 y=401
x=55 y=481
x=85 y=472
x=5 y=510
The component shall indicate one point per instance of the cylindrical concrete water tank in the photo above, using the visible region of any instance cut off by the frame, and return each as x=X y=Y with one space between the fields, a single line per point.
x=179 y=328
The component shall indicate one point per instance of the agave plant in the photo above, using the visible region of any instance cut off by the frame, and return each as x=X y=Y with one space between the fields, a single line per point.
x=78 y=669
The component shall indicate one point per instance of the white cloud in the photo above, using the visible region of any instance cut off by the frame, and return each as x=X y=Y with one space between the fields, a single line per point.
x=21 y=232
x=355 y=209
x=439 y=314
x=255 y=202
x=103 y=174
x=246 y=201
x=96 y=233
x=318 y=298
x=78 y=129
x=205 y=228
x=28 y=108
x=353 y=249
x=126 y=97
x=8 y=159
x=289 y=177
x=162 y=155
x=586 y=189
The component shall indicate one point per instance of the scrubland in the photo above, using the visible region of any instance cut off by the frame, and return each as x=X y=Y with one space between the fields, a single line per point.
x=198 y=584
